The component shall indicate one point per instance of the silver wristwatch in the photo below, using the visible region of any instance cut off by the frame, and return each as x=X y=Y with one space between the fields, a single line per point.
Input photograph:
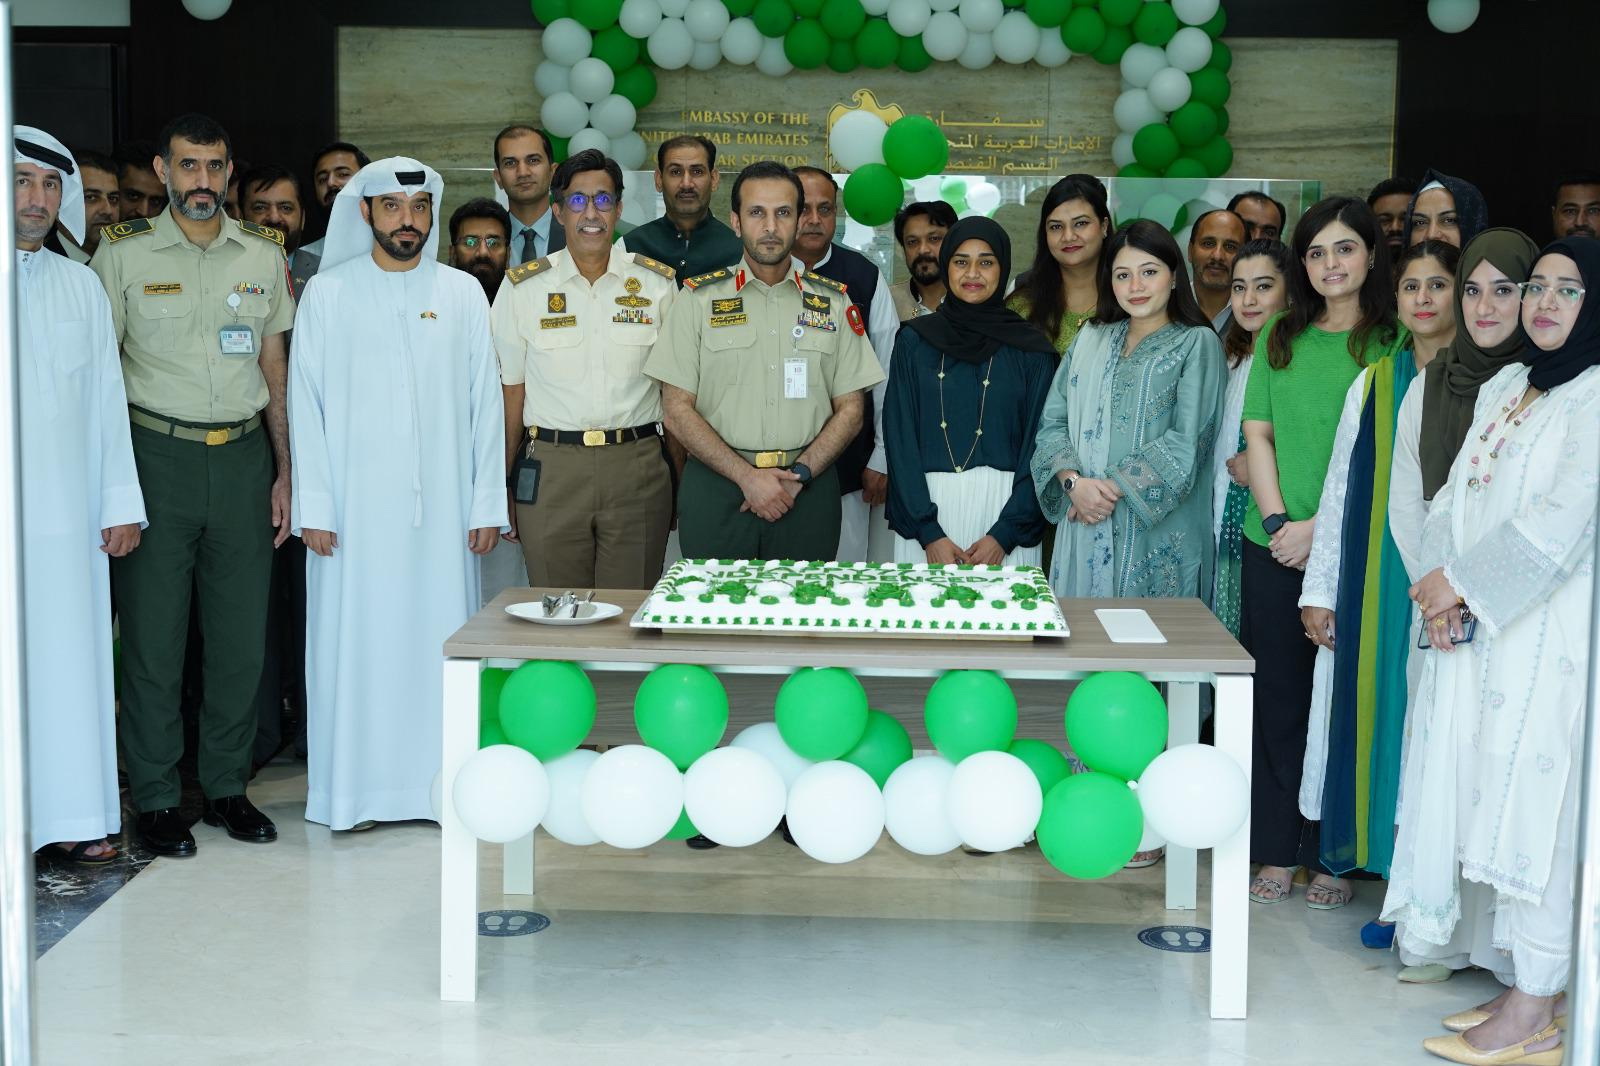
x=1067 y=483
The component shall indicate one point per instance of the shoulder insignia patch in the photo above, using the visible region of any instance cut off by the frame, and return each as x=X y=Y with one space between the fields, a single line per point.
x=706 y=279
x=817 y=279
x=660 y=268
x=119 y=230
x=264 y=232
x=518 y=274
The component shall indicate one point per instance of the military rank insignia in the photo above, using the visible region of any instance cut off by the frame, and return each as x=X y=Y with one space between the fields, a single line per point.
x=556 y=303
x=731 y=306
x=558 y=322
x=247 y=289
x=632 y=299
x=816 y=311
x=633 y=317
x=853 y=316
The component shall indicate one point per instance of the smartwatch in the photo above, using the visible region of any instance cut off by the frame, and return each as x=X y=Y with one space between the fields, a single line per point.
x=1274 y=522
x=802 y=471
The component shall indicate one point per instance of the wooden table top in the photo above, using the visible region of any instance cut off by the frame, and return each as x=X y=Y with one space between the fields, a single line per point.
x=1196 y=643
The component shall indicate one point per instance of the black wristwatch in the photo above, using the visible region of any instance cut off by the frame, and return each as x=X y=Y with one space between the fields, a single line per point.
x=1274 y=522
x=803 y=472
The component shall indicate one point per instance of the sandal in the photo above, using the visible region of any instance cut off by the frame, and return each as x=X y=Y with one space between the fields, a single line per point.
x=1335 y=897
x=1145 y=858
x=79 y=853
x=1270 y=890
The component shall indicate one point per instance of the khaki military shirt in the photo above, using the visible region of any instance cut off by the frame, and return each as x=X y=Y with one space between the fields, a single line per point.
x=170 y=302
x=579 y=349
x=764 y=361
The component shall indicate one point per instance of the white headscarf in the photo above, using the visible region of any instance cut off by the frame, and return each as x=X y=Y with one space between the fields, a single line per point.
x=32 y=145
x=350 y=235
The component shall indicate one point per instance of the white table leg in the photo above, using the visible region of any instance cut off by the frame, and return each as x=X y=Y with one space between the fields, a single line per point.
x=1183 y=727
x=1230 y=861
x=517 y=877
x=458 y=849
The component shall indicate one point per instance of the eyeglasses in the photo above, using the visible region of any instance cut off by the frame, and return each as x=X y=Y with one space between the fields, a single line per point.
x=472 y=244
x=603 y=202
x=1533 y=292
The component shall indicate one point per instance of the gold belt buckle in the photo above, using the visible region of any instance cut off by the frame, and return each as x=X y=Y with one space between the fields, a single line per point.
x=769 y=460
x=593 y=438
x=216 y=436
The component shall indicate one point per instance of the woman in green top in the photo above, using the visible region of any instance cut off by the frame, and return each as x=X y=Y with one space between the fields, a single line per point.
x=1059 y=292
x=1341 y=317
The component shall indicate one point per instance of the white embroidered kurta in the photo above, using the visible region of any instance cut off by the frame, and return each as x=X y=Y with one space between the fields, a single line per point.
x=78 y=478
x=397 y=438
x=1228 y=439
x=1488 y=775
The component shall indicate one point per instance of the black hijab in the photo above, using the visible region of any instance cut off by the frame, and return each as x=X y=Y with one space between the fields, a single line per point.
x=974 y=332
x=1582 y=347
x=1472 y=213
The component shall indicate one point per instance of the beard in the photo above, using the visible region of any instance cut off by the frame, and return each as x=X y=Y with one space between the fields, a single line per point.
x=188 y=210
x=925 y=269
x=488 y=273
x=397 y=251
x=759 y=254
x=34 y=229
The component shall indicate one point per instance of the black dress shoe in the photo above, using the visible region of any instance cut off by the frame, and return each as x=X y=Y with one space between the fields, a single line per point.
x=165 y=832
x=702 y=843
x=240 y=818
x=783 y=827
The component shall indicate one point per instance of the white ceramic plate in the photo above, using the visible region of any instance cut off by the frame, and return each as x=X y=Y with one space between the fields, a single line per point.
x=587 y=613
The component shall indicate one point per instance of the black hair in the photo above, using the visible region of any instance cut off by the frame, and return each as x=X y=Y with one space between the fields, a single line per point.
x=520 y=127
x=686 y=140
x=823 y=174
x=768 y=169
x=88 y=157
x=1306 y=304
x=1256 y=194
x=1572 y=177
x=338 y=146
x=268 y=174
x=136 y=154
x=479 y=207
x=1194 y=231
x=1448 y=255
x=196 y=129
x=1041 y=284
x=579 y=163
x=937 y=211
x=1391 y=187
x=1151 y=237
x=1237 y=341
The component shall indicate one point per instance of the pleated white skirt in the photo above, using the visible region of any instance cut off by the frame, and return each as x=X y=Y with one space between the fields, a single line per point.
x=969 y=503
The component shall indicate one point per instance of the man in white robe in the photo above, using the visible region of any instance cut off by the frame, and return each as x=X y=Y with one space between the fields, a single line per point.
x=396 y=433
x=81 y=505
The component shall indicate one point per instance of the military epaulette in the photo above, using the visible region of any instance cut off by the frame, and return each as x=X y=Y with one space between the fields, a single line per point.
x=518 y=274
x=705 y=279
x=264 y=232
x=650 y=264
x=132 y=227
x=815 y=278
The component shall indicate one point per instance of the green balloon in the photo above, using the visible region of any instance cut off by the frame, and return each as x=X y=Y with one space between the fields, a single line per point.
x=739 y=8
x=1154 y=146
x=806 y=44
x=619 y=51
x=1045 y=760
x=558 y=147
x=1117 y=721
x=1047 y=13
x=1118 y=38
x=842 y=57
x=872 y=194
x=490 y=734
x=807 y=9
x=969 y=711
x=843 y=19
x=490 y=684
x=1120 y=12
x=1216 y=155
x=878 y=45
x=597 y=14
x=1186 y=167
x=915 y=147
x=1090 y=826
x=953 y=191
x=1155 y=24
x=1209 y=87
x=1221 y=57
x=681 y=711
x=773 y=17
x=822 y=713
x=1216 y=24
x=913 y=57
x=1134 y=170
x=547 y=11
x=682 y=829
x=637 y=84
x=1193 y=124
x=547 y=708
x=883 y=747
x=1084 y=31
x=1222 y=120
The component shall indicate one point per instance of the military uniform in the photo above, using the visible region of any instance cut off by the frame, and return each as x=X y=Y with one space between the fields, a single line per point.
x=593 y=419
x=764 y=363
x=191 y=322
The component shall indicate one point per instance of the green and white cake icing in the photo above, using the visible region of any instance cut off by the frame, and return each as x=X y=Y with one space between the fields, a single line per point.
x=784 y=596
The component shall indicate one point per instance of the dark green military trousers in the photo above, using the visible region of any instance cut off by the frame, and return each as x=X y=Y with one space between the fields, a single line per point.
x=711 y=526
x=211 y=531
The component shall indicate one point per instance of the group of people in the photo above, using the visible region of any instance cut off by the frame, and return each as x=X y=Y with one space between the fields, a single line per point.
x=1372 y=449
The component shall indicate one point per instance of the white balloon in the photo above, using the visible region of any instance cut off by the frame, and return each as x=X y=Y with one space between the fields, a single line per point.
x=436 y=796
x=1194 y=795
x=630 y=151
x=914 y=805
x=500 y=793
x=1122 y=150
x=706 y=55
x=550 y=78
x=563 y=114
x=909 y=17
x=1140 y=63
x=981 y=16
x=875 y=7
x=207 y=9
x=613 y=116
x=734 y=796
x=1151 y=839
x=835 y=812
x=944 y=5
x=564 y=819
x=994 y=801
x=587 y=138
x=1016 y=38
x=742 y=43
x=1194 y=12
x=632 y=795
x=639 y=18
x=1053 y=51
x=670 y=45
x=1452 y=16
x=764 y=739
x=1189 y=50
x=983 y=197
x=857 y=139
x=945 y=38
x=979 y=52
x=707 y=20
x=674 y=9
x=773 y=61
x=592 y=80
x=566 y=41
x=1133 y=111
x=1169 y=89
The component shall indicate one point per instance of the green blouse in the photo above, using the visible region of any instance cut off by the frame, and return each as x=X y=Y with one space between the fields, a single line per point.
x=1071 y=321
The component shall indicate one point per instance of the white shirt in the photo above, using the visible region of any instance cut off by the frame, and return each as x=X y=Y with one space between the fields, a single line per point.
x=882 y=326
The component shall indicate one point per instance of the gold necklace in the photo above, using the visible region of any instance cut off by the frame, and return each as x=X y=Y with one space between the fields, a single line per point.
x=944 y=425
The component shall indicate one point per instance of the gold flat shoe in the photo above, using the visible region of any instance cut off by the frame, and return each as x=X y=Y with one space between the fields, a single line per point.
x=1467 y=1019
x=1455 y=1048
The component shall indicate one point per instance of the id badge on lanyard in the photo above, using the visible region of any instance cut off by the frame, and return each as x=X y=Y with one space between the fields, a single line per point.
x=238 y=339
